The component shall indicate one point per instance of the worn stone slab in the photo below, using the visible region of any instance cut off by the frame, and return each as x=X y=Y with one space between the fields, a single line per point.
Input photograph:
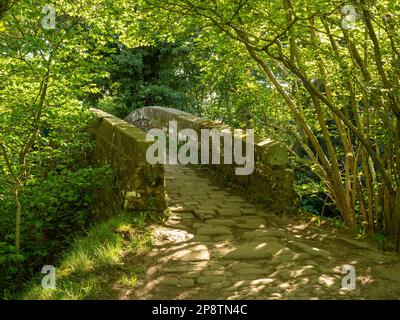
x=202 y=212
x=210 y=279
x=251 y=225
x=252 y=235
x=253 y=250
x=214 y=230
x=355 y=243
x=240 y=265
x=178 y=269
x=201 y=238
x=186 y=283
x=191 y=274
x=223 y=238
x=206 y=207
x=229 y=212
x=251 y=271
x=222 y=222
x=170 y=281
x=248 y=211
x=282 y=258
x=184 y=208
x=250 y=283
x=313 y=251
x=183 y=283
x=196 y=253
x=217 y=273
x=185 y=215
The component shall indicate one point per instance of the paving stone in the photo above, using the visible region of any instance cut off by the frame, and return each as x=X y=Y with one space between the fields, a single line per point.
x=253 y=235
x=214 y=202
x=313 y=251
x=185 y=208
x=240 y=265
x=185 y=215
x=275 y=296
x=247 y=211
x=326 y=281
x=290 y=257
x=283 y=274
x=247 y=205
x=206 y=207
x=286 y=265
x=217 y=273
x=251 y=271
x=271 y=291
x=229 y=212
x=251 y=264
x=313 y=263
x=177 y=224
x=201 y=224
x=300 y=256
x=201 y=238
x=177 y=269
x=216 y=285
x=279 y=259
x=234 y=199
x=197 y=253
x=251 y=225
x=255 y=282
x=254 y=250
x=215 y=266
x=224 y=238
x=170 y=281
x=222 y=222
x=210 y=279
x=191 y=275
x=202 y=198
x=191 y=203
x=225 y=205
x=355 y=243
x=214 y=230
x=201 y=213
x=304 y=271
x=208 y=216
x=226 y=283
x=218 y=197
x=251 y=219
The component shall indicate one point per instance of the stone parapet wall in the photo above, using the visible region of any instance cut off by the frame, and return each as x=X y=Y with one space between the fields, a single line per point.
x=138 y=185
x=272 y=180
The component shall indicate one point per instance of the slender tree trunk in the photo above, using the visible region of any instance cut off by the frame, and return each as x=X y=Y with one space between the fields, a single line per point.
x=18 y=215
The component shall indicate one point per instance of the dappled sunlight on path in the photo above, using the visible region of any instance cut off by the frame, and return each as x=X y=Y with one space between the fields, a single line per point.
x=217 y=245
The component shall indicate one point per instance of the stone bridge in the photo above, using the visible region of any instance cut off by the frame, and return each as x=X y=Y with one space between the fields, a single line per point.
x=217 y=244
x=141 y=185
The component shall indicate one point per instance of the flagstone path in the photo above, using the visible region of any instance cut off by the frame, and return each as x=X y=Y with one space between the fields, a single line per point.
x=218 y=245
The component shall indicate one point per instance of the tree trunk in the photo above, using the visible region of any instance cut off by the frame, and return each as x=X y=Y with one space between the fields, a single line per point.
x=18 y=215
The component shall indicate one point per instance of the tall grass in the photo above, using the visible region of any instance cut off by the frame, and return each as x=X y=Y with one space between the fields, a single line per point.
x=95 y=262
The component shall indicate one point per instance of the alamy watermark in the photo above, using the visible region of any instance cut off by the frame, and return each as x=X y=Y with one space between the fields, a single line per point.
x=233 y=143
x=349 y=280
x=49 y=280
x=49 y=18
x=349 y=17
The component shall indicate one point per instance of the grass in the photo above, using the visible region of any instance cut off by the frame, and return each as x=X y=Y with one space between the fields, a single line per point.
x=128 y=281
x=95 y=265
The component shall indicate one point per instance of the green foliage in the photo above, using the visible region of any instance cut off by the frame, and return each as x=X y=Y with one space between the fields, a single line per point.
x=383 y=241
x=44 y=143
x=145 y=76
